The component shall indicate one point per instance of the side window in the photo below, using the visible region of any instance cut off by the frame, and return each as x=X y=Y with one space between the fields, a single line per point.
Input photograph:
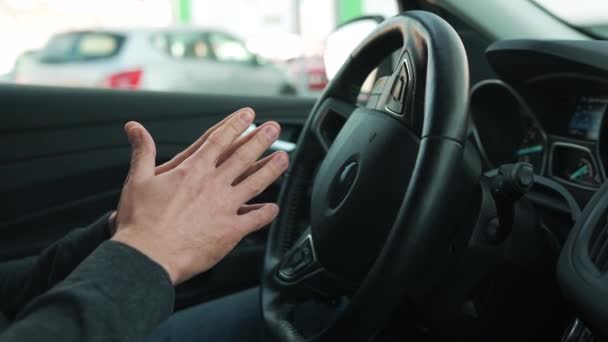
x=228 y=49
x=59 y=49
x=98 y=45
x=81 y=47
x=182 y=45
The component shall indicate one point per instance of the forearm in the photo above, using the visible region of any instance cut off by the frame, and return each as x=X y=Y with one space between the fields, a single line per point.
x=23 y=280
x=116 y=294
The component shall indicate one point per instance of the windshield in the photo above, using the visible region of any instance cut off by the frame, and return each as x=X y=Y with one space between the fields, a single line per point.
x=590 y=16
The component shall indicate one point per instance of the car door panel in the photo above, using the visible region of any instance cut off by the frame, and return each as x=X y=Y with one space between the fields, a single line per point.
x=64 y=158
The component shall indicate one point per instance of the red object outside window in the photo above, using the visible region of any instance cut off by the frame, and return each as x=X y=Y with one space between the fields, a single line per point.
x=130 y=79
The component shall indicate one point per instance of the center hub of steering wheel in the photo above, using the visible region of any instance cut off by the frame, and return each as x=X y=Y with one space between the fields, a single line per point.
x=352 y=209
x=342 y=183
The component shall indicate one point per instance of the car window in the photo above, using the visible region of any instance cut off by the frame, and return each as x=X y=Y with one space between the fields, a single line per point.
x=97 y=45
x=228 y=49
x=182 y=45
x=59 y=48
x=79 y=47
x=257 y=47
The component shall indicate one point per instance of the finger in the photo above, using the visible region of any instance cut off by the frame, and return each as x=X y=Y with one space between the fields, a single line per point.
x=260 y=180
x=254 y=168
x=221 y=139
x=180 y=157
x=249 y=152
x=260 y=217
x=239 y=142
x=143 y=151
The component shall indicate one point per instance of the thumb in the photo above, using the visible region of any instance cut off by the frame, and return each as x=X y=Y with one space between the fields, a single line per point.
x=143 y=151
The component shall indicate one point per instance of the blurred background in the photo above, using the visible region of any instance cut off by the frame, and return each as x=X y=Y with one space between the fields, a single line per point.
x=181 y=45
x=256 y=47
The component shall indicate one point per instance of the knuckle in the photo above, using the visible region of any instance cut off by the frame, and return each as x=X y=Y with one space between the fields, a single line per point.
x=261 y=140
x=216 y=140
x=273 y=169
x=223 y=239
x=234 y=126
x=256 y=186
x=243 y=155
x=270 y=172
x=137 y=183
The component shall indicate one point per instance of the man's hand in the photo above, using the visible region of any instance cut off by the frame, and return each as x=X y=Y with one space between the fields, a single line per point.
x=188 y=213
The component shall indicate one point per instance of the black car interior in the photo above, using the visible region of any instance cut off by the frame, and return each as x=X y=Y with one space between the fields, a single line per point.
x=66 y=157
x=466 y=198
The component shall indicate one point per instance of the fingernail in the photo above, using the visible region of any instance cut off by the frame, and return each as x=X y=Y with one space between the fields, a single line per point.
x=246 y=117
x=271 y=132
x=281 y=160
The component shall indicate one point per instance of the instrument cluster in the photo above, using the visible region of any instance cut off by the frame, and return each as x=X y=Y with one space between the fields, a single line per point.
x=557 y=125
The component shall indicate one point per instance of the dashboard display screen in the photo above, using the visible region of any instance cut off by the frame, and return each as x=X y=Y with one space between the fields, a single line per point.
x=587 y=118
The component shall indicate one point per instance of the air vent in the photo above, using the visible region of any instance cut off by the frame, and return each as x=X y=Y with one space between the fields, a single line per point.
x=598 y=247
x=578 y=332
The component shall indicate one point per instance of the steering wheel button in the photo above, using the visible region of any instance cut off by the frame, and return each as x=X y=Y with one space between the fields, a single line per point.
x=397 y=91
x=297 y=260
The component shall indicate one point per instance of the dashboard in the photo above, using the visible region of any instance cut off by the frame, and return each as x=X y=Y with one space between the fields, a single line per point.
x=548 y=107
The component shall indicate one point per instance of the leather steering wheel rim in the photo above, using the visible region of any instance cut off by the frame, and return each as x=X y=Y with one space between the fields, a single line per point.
x=431 y=122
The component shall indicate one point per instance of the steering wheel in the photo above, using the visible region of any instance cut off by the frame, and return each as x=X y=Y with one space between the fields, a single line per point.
x=371 y=200
x=583 y=265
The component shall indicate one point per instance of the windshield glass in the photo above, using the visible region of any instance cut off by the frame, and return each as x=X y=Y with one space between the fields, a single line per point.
x=590 y=16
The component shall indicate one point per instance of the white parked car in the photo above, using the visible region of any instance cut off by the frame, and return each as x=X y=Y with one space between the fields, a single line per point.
x=171 y=59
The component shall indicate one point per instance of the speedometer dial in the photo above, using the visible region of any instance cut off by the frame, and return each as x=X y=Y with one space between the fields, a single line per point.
x=532 y=147
x=575 y=164
x=505 y=129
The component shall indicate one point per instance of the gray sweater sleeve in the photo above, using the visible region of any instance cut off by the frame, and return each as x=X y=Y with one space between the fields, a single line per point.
x=25 y=279
x=115 y=294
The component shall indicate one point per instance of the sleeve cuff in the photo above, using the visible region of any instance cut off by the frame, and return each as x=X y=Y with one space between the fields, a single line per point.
x=130 y=280
x=116 y=293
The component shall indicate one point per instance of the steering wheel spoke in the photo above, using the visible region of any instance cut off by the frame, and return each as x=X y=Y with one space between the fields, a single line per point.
x=299 y=262
x=330 y=117
x=394 y=94
x=301 y=272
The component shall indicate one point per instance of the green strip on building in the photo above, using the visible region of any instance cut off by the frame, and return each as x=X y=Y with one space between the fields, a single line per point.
x=349 y=9
x=184 y=14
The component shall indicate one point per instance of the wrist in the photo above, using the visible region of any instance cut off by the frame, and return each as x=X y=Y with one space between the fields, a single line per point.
x=150 y=249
